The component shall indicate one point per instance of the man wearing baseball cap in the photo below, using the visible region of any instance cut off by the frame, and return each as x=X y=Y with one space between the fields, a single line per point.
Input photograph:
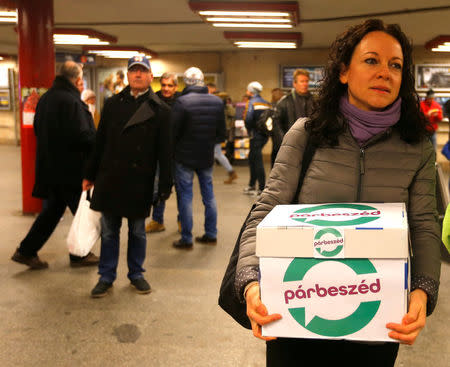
x=132 y=138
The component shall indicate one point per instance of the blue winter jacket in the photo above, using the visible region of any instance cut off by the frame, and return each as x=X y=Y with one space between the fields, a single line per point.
x=198 y=120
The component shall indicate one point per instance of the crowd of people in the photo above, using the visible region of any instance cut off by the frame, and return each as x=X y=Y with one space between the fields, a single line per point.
x=145 y=142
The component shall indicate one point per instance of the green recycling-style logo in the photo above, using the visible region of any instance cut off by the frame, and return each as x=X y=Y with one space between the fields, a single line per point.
x=338 y=241
x=358 y=214
x=365 y=312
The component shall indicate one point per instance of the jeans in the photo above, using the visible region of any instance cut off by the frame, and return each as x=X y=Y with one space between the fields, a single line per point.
x=109 y=254
x=433 y=140
x=59 y=197
x=158 y=210
x=183 y=179
x=221 y=158
x=255 y=161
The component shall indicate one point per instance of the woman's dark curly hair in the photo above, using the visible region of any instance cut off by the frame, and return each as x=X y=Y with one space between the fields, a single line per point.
x=327 y=123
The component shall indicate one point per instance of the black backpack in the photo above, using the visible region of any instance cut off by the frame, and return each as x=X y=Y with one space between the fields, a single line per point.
x=228 y=299
x=264 y=124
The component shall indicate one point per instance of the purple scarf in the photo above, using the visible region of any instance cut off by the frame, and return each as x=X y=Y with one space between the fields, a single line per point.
x=366 y=124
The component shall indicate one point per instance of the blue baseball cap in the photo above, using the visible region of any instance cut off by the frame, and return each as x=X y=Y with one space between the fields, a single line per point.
x=139 y=60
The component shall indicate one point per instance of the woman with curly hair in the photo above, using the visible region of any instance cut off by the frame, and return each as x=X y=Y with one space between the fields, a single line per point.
x=370 y=145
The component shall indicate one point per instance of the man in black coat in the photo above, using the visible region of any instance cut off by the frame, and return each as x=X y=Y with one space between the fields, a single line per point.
x=132 y=138
x=198 y=119
x=65 y=135
x=298 y=103
x=168 y=93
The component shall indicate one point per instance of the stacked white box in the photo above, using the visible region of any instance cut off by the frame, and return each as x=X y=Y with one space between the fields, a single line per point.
x=334 y=271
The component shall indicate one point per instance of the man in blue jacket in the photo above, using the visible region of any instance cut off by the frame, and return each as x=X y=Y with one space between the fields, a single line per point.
x=197 y=119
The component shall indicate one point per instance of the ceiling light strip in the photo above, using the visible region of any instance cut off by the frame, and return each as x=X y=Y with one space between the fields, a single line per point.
x=251 y=25
x=8 y=20
x=253 y=20
x=249 y=44
x=77 y=39
x=8 y=14
x=119 y=54
x=244 y=13
x=441 y=49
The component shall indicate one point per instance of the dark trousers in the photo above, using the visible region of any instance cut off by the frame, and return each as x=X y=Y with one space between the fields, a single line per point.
x=255 y=161
x=53 y=208
x=325 y=353
x=110 y=246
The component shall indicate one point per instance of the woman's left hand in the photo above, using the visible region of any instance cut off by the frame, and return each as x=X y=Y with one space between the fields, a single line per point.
x=413 y=322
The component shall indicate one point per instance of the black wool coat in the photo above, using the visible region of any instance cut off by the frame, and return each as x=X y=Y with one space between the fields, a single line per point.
x=132 y=137
x=65 y=136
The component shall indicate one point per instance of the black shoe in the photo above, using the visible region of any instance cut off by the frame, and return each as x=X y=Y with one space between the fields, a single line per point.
x=100 y=289
x=89 y=260
x=32 y=261
x=141 y=285
x=182 y=245
x=206 y=239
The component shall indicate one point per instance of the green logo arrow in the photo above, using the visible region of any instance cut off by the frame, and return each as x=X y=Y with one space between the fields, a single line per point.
x=312 y=219
x=348 y=325
x=336 y=234
x=365 y=312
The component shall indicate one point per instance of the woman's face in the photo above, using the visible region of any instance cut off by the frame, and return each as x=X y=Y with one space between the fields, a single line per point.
x=374 y=75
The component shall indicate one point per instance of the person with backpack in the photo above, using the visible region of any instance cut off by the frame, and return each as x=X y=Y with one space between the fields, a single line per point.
x=253 y=110
x=370 y=145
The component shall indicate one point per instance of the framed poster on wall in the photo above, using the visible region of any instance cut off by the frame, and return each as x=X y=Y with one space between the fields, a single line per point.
x=286 y=75
x=436 y=77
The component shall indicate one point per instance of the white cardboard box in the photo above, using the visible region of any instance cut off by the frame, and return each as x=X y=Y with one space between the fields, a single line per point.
x=334 y=271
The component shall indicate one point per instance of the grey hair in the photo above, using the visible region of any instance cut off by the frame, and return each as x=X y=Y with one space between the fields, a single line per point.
x=70 y=70
x=86 y=94
x=169 y=75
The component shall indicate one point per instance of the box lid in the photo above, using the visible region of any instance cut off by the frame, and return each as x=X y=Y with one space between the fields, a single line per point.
x=359 y=230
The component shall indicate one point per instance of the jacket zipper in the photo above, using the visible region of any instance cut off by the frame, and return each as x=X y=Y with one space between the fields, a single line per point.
x=362 y=171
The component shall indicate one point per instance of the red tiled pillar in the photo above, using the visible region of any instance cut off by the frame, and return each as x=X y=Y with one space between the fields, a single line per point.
x=36 y=74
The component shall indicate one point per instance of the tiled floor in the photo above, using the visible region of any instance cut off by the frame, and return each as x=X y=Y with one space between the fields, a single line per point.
x=48 y=319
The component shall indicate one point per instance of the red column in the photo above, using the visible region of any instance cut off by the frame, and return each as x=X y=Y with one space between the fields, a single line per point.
x=36 y=74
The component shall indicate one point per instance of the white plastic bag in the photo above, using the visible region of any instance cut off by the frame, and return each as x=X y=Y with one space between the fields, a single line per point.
x=85 y=229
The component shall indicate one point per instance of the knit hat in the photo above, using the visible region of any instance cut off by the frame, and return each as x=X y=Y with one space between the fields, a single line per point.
x=255 y=87
x=193 y=76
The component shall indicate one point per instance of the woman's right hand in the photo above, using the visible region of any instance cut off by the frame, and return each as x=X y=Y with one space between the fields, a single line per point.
x=257 y=312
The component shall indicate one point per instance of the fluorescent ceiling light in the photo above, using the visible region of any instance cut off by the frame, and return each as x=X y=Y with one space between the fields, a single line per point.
x=118 y=54
x=77 y=39
x=243 y=13
x=263 y=44
x=8 y=20
x=8 y=16
x=1 y=58
x=441 y=49
x=253 y=20
x=251 y=25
